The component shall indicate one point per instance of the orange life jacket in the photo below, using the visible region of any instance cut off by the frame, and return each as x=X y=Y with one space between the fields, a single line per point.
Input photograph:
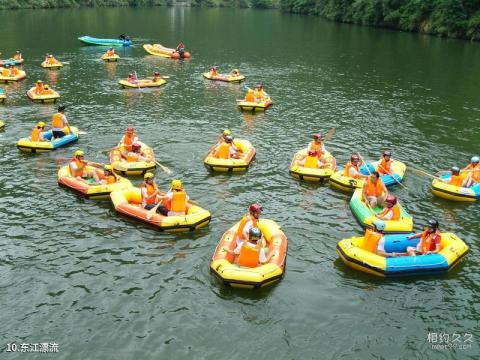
x=111 y=179
x=150 y=190
x=132 y=157
x=396 y=212
x=223 y=151
x=14 y=71
x=51 y=60
x=38 y=89
x=110 y=52
x=374 y=189
x=456 y=180
x=179 y=202
x=426 y=241
x=128 y=141
x=213 y=72
x=248 y=256
x=57 y=121
x=311 y=162
x=4 y=72
x=318 y=148
x=244 y=221
x=250 y=97
x=80 y=166
x=385 y=166
x=36 y=134
x=347 y=170
x=370 y=240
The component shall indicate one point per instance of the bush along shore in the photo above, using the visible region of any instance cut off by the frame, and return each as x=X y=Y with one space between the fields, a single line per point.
x=446 y=18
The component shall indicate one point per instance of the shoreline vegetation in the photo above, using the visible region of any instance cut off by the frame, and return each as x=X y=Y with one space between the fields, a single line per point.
x=444 y=18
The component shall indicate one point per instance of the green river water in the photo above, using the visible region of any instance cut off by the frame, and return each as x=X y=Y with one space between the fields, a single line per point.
x=74 y=273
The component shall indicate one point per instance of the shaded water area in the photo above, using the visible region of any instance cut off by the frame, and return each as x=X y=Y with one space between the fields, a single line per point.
x=102 y=287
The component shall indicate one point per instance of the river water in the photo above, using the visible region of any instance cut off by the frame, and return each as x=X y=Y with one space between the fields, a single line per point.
x=74 y=273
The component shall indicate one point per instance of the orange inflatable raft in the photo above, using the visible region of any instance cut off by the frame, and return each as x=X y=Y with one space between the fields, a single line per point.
x=128 y=202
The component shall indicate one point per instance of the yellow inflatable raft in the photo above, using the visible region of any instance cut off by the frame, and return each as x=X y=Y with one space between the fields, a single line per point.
x=2 y=125
x=6 y=79
x=113 y=58
x=355 y=255
x=89 y=190
x=55 y=66
x=125 y=168
x=455 y=193
x=27 y=145
x=225 y=267
x=310 y=174
x=232 y=165
x=128 y=202
x=366 y=216
x=43 y=98
x=142 y=83
x=254 y=106
x=224 y=77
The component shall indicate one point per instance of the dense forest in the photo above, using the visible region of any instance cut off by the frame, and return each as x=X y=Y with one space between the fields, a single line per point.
x=449 y=18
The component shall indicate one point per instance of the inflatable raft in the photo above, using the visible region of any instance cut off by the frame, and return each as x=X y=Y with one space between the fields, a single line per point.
x=453 y=250
x=90 y=191
x=44 y=98
x=366 y=216
x=113 y=58
x=232 y=165
x=104 y=42
x=310 y=174
x=162 y=51
x=142 y=83
x=124 y=167
x=27 y=145
x=254 y=106
x=455 y=193
x=11 y=62
x=346 y=183
x=128 y=202
x=54 y=66
x=230 y=273
x=225 y=78
x=6 y=79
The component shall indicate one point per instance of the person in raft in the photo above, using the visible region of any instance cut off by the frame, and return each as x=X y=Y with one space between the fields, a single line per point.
x=317 y=145
x=59 y=122
x=374 y=240
x=149 y=191
x=78 y=169
x=214 y=71
x=108 y=177
x=128 y=140
x=156 y=77
x=352 y=169
x=473 y=178
x=312 y=161
x=391 y=210
x=248 y=222
x=259 y=93
x=132 y=78
x=385 y=164
x=249 y=96
x=136 y=154
x=111 y=52
x=227 y=149
x=37 y=132
x=47 y=90
x=456 y=179
x=17 y=56
x=430 y=240
x=235 y=72
x=39 y=87
x=251 y=252
x=14 y=71
x=180 y=48
x=374 y=190
x=46 y=57
x=51 y=60
x=174 y=202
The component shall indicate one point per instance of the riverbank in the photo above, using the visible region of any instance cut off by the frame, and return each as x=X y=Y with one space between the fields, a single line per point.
x=453 y=19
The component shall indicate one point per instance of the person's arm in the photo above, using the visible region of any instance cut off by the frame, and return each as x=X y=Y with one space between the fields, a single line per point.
x=65 y=122
x=144 y=196
x=415 y=236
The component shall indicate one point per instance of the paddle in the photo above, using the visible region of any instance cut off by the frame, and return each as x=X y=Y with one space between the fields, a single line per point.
x=398 y=182
x=329 y=134
x=424 y=173
x=164 y=168
x=138 y=83
x=152 y=211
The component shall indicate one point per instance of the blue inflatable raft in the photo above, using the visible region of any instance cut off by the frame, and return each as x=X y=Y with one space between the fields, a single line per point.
x=104 y=42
